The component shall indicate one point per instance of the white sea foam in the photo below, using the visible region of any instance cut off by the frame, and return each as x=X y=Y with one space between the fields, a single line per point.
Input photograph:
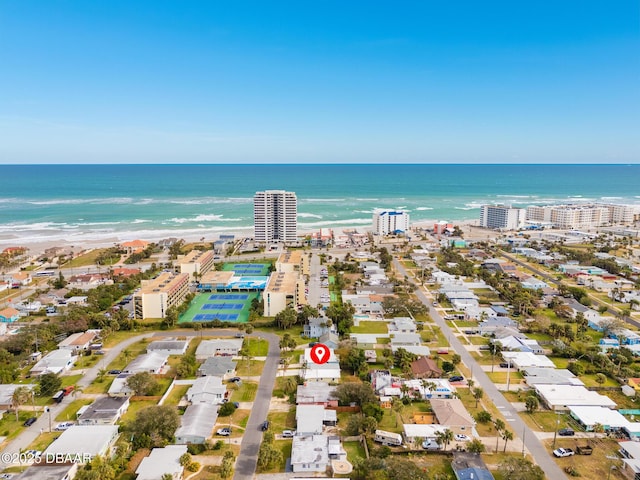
x=423 y=208
x=308 y=215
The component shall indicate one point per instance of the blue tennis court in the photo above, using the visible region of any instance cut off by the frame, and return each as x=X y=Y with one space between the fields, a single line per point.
x=207 y=317
x=222 y=306
x=231 y=296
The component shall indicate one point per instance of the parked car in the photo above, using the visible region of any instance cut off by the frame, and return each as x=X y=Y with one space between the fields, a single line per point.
x=456 y=378
x=33 y=453
x=459 y=437
x=265 y=426
x=239 y=335
x=506 y=365
x=225 y=432
x=288 y=433
x=30 y=421
x=563 y=452
x=115 y=372
x=235 y=379
x=566 y=432
x=431 y=445
x=63 y=426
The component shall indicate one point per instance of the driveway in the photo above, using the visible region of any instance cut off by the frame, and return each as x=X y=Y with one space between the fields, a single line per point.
x=519 y=428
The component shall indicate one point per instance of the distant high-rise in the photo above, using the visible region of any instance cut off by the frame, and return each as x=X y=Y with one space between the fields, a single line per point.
x=390 y=221
x=502 y=217
x=275 y=216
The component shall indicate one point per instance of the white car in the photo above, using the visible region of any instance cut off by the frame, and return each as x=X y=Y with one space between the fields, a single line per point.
x=563 y=452
x=63 y=426
x=462 y=438
x=288 y=433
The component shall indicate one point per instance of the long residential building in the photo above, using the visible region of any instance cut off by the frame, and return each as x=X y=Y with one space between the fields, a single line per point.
x=390 y=221
x=159 y=294
x=284 y=289
x=196 y=263
x=275 y=216
x=293 y=261
x=502 y=217
x=582 y=216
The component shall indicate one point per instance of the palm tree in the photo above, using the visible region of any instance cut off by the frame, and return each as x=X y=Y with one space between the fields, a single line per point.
x=494 y=348
x=20 y=396
x=597 y=428
x=500 y=426
x=506 y=436
x=444 y=438
x=477 y=393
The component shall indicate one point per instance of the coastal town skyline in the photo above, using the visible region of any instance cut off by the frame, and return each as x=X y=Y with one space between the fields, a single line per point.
x=291 y=83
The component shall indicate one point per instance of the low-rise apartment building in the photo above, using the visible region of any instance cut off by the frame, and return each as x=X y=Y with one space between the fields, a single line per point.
x=284 y=289
x=196 y=263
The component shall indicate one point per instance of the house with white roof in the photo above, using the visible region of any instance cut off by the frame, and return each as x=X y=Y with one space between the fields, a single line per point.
x=162 y=461
x=402 y=325
x=630 y=452
x=310 y=419
x=411 y=342
x=316 y=393
x=431 y=387
x=310 y=453
x=208 y=389
x=520 y=343
x=316 y=327
x=524 y=360
x=411 y=431
x=311 y=371
x=197 y=423
x=119 y=386
x=210 y=348
x=57 y=361
x=549 y=376
x=589 y=416
x=562 y=397
x=82 y=443
x=147 y=362
x=6 y=395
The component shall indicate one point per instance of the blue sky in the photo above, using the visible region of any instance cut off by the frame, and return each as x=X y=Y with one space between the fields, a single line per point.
x=336 y=82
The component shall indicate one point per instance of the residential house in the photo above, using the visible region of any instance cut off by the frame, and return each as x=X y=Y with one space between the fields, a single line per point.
x=210 y=348
x=549 y=376
x=453 y=414
x=134 y=246
x=57 y=361
x=411 y=342
x=524 y=360
x=430 y=388
x=589 y=416
x=532 y=283
x=329 y=371
x=147 y=362
x=381 y=379
x=103 y=411
x=224 y=367
x=402 y=325
x=208 y=390
x=470 y=466
x=88 y=281
x=316 y=327
x=422 y=431
x=330 y=339
x=630 y=452
x=197 y=423
x=562 y=397
x=48 y=471
x=168 y=346
x=6 y=395
x=119 y=387
x=316 y=393
x=310 y=453
x=82 y=443
x=520 y=343
x=18 y=279
x=490 y=325
x=9 y=315
x=425 y=367
x=162 y=462
x=79 y=342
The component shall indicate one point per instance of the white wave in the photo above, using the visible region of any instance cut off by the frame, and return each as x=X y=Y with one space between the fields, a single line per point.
x=465 y=208
x=328 y=223
x=95 y=224
x=140 y=220
x=202 y=218
x=363 y=211
x=517 y=196
x=423 y=208
x=611 y=198
x=308 y=215
x=368 y=199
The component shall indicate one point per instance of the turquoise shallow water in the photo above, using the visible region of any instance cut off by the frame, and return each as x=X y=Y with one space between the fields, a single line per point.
x=99 y=202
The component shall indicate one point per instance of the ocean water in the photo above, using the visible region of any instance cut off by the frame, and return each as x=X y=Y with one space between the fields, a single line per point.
x=120 y=202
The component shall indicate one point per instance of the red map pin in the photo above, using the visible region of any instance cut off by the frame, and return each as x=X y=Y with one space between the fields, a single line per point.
x=320 y=353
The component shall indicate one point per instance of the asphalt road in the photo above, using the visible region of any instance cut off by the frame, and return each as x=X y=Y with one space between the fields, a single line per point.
x=248 y=458
x=518 y=427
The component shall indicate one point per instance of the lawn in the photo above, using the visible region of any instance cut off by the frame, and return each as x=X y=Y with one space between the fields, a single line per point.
x=69 y=380
x=547 y=421
x=177 y=392
x=246 y=392
x=86 y=259
x=591 y=467
x=282 y=420
x=257 y=347
x=370 y=327
x=69 y=413
x=99 y=386
x=590 y=381
x=285 y=447
x=501 y=377
x=249 y=369
x=128 y=354
x=134 y=408
x=43 y=441
x=11 y=428
x=86 y=361
x=354 y=450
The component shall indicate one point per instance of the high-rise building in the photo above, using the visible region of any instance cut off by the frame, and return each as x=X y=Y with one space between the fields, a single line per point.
x=275 y=216
x=390 y=221
x=502 y=217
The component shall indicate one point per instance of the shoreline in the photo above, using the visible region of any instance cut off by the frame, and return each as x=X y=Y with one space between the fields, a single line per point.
x=37 y=246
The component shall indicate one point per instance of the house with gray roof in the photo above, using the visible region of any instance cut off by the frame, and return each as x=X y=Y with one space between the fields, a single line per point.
x=315 y=327
x=147 y=362
x=316 y=393
x=208 y=389
x=310 y=453
x=162 y=461
x=168 y=346
x=211 y=348
x=104 y=411
x=224 y=367
x=197 y=423
x=470 y=466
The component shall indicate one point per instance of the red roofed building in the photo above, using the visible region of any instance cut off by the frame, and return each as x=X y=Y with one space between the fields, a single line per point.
x=134 y=246
x=125 y=272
